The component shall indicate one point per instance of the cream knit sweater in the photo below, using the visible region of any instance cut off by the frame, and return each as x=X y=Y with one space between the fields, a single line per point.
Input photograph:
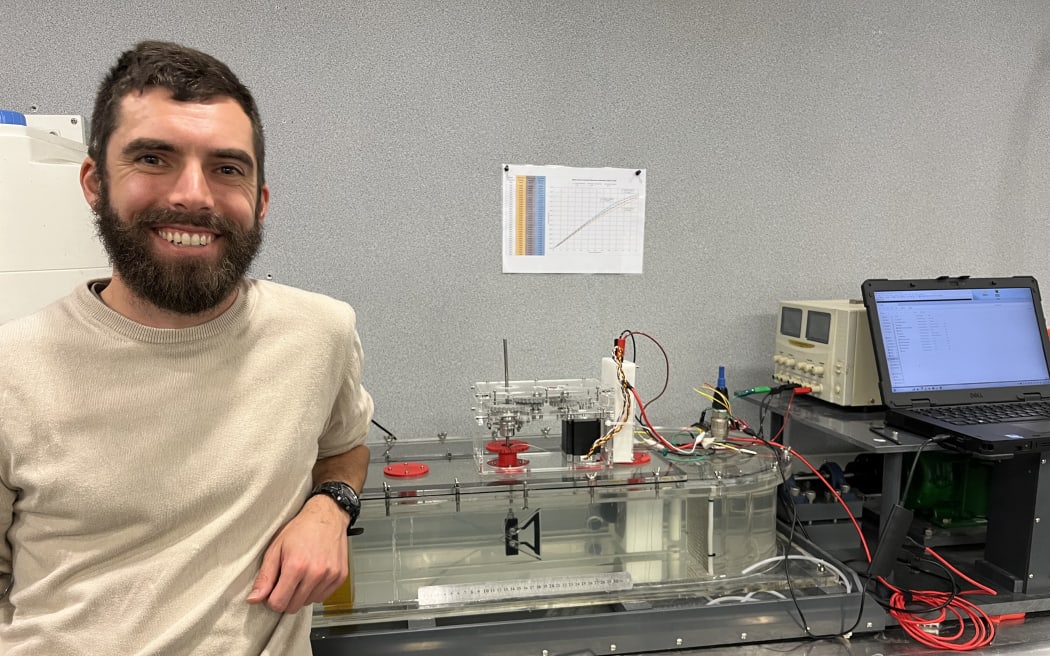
x=143 y=471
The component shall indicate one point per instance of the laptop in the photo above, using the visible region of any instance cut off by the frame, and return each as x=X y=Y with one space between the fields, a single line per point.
x=964 y=358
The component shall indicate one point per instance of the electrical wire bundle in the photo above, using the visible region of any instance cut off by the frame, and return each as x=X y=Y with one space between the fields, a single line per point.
x=643 y=420
x=915 y=610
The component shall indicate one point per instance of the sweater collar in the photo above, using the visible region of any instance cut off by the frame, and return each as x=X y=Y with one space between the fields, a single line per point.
x=88 y=302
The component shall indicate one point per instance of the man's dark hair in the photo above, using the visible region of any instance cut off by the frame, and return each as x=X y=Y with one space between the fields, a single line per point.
x=190 y=75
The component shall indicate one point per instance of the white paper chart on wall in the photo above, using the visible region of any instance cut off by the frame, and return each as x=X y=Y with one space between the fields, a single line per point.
x=559 y=219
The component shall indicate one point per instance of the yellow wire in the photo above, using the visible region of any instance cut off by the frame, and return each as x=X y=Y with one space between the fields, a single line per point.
x=724 y=400
x=712 y=399
x=706 y=395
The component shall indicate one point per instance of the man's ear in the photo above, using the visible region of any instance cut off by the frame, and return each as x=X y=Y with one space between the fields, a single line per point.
x=90 y=183
x=264 y=202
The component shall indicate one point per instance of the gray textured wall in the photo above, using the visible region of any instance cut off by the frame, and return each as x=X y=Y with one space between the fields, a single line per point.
x=793 y=150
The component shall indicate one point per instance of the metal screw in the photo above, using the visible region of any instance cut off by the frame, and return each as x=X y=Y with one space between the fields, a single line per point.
x=678 y=642
x=743 y=636
x=73 y=121
x=869 y=625
x=1031 y=576
x=612 y=648
x=545 y=653
x=1036 y=520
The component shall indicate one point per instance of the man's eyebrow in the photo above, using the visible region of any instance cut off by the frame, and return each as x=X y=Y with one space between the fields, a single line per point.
x=235 y=154
x=144 y=144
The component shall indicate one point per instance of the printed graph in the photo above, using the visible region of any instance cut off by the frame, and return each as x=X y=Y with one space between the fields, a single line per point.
x=571 y=220
x=607 y=220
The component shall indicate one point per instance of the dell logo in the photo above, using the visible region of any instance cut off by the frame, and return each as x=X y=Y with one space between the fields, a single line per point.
x=976 y=395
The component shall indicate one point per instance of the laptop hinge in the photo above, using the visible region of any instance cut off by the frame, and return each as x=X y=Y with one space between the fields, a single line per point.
x=919 y=403
x=1031 y=396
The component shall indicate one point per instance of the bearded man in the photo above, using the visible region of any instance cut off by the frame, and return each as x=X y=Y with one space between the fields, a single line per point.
x=180 y=445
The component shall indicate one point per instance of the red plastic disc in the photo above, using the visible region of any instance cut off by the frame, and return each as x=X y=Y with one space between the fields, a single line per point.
x=496 y=446
x=508 y=457
x=517 y=466
x=406 y=469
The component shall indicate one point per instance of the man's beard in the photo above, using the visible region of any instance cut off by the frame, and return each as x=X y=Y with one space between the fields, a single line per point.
x=183 y=285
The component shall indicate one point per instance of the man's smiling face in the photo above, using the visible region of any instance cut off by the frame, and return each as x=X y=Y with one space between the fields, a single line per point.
x=178 y=207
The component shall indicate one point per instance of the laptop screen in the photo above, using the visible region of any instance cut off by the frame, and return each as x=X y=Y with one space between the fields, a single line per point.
x=959 y=339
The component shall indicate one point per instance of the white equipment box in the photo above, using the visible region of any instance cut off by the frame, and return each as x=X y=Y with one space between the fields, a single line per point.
x=48 y=242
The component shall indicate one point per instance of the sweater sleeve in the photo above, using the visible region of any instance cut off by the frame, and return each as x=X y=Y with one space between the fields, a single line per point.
x=352 y=411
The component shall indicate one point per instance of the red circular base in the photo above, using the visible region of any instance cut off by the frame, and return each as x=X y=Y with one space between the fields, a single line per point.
x=496 y=446
x=518 y=465
x=406 y=469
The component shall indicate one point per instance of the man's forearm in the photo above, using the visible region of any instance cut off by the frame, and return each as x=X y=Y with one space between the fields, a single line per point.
x=307 y=559
x=350 y=467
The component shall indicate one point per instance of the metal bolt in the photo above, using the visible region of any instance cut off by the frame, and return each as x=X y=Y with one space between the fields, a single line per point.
x=73 y=120
x=545 y=653
x=612 y=648
x=869 y=625
x=743 y=636
x=678 y=642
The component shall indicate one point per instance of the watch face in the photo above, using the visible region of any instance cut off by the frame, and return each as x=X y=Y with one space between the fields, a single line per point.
x=344 y=495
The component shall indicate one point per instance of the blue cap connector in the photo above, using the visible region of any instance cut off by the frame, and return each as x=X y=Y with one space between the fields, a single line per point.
x=721 y=378
x=9 y=117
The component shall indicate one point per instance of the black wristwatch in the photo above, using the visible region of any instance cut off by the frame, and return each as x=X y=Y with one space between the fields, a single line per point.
x=344 y=495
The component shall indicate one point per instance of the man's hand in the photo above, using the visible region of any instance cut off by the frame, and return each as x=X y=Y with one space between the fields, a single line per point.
x=307 y=560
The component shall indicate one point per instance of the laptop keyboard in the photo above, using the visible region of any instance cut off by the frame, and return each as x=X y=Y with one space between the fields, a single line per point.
x=989 y=413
